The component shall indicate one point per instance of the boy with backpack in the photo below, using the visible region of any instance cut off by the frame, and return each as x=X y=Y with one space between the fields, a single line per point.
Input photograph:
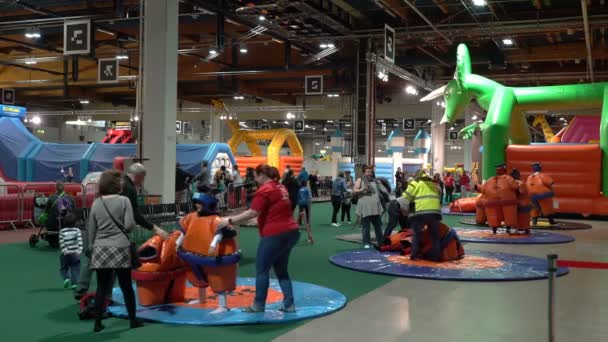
x=70 y=243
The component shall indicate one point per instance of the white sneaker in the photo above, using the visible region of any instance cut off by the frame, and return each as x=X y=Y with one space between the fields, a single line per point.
x=335 y=225
x=367 y=246
x=349 y=222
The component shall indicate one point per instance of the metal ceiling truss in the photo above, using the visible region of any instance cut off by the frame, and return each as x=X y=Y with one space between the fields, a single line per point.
x=381 y=63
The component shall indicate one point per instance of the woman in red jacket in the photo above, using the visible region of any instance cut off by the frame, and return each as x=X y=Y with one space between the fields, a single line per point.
x=279 y=234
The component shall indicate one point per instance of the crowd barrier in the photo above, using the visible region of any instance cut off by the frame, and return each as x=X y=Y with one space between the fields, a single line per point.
x=18 y=209
x=552 y=265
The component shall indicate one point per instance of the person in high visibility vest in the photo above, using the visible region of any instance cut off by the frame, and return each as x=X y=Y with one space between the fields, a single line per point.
x=540 y=188
x=424 y=193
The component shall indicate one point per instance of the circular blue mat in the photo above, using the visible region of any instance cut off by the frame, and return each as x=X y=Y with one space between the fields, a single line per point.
x=486 y=236
x=311 y=301
x=476 y=266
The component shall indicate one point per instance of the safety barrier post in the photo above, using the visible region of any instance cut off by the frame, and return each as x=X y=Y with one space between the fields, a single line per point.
x=551 y=268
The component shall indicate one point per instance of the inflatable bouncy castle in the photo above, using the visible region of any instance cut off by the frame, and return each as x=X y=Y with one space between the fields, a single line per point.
x=580 y=171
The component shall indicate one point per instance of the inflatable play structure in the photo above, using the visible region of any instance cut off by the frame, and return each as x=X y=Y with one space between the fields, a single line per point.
x=580 y=170
x=119 y=134
x=25 y=158
x=385 y=167
x=278 y=137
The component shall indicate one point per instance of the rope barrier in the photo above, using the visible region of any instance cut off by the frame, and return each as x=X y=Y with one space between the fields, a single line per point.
x=552 y=264
x=583 y=264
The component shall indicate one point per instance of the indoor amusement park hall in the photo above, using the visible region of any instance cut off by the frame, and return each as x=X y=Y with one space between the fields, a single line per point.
x=327 y=170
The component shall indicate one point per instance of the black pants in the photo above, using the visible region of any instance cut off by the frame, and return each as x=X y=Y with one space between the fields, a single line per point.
x=432 y=221
x=394 y=217
x=105 y=280
x=315 y=190
x=449 y=190
x=336 y=202
x=346 y=210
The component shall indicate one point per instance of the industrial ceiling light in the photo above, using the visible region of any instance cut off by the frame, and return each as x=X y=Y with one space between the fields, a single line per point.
x=32 y=33
x=136 y=118
x=411 y=90
x=30 y=61
x=507 y=42
x=89 y=120
x=474 y=117
x=36 y=120
x=290 y=116
x=479 y=2
x=323 y=46
x=122 y=55
x=213 y=52
x=452 y=128
x=84 y=101
x=333 y=95
x=243 y=48
x=239 y=97
x=262 y=18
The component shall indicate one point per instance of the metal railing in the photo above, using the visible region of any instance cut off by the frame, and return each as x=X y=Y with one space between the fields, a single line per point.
x=7 y=215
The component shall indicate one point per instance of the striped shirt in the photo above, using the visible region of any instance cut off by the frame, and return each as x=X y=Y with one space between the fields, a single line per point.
x=70 y=241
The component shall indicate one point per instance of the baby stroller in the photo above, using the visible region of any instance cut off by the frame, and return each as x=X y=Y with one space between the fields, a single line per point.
x=50 y=219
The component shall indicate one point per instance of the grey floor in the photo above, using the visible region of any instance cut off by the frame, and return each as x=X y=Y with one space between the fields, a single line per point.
x=423 y=310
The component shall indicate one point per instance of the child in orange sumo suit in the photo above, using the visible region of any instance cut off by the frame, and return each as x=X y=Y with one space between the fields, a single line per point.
x=540 y=188
x=451 y=248
x=212 y=253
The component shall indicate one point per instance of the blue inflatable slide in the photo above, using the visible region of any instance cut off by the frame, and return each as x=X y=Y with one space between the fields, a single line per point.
x=26 y=158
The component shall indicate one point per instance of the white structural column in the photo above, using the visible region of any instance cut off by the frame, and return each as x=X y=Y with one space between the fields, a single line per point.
x=160 y=96
x=437 y=138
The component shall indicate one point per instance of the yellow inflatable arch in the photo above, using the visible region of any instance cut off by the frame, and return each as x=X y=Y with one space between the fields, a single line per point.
x=277 y=138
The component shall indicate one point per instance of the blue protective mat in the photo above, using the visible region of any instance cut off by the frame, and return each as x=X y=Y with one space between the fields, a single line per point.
x=476 y=266
x=311 y=301
x=486 y=236
x=446 y=211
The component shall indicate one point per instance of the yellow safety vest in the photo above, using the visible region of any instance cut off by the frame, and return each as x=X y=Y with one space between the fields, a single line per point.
x=425 y=195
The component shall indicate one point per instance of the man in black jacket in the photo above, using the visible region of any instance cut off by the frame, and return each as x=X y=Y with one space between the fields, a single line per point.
x=136 y=174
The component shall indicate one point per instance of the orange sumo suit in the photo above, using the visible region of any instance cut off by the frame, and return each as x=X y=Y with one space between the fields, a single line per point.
x=480 y=210
x=539 y=187
x=161 y=278
x=501 y=200
x=208 y=270
x=523 y=207
x=451 y=248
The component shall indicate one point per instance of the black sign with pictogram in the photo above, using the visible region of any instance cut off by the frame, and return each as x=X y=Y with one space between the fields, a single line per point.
x=389 y=43
x=76 y=37
x=314 y=85
x=8 y=96
x=409 y=124
x=107 y=71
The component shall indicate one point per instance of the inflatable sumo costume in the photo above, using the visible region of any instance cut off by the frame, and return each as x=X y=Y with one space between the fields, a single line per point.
x=451 y=248
x=523 y=203
x=501 y=199
x=540 y=188
x=480 y=207
x=161 y=279
x=464 y=205
x=211 y=253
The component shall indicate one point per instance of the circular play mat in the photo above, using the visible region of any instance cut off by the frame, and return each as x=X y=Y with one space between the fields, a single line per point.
x=560 y=225
x=477 y=235
x=475 y=266
x=311 y=301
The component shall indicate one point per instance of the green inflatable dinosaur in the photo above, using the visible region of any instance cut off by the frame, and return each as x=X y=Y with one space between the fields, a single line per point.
x=506 y=106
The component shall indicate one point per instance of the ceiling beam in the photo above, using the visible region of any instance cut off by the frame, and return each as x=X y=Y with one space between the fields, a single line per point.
x=442 y=6
x=27 y=67
x=554 y=53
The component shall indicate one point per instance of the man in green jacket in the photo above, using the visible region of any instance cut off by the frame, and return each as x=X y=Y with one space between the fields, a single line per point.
x=423 y=192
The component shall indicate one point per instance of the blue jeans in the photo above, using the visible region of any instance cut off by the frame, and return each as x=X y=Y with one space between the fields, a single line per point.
x=273 y=251
x=366 y=222
x=69 y=267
